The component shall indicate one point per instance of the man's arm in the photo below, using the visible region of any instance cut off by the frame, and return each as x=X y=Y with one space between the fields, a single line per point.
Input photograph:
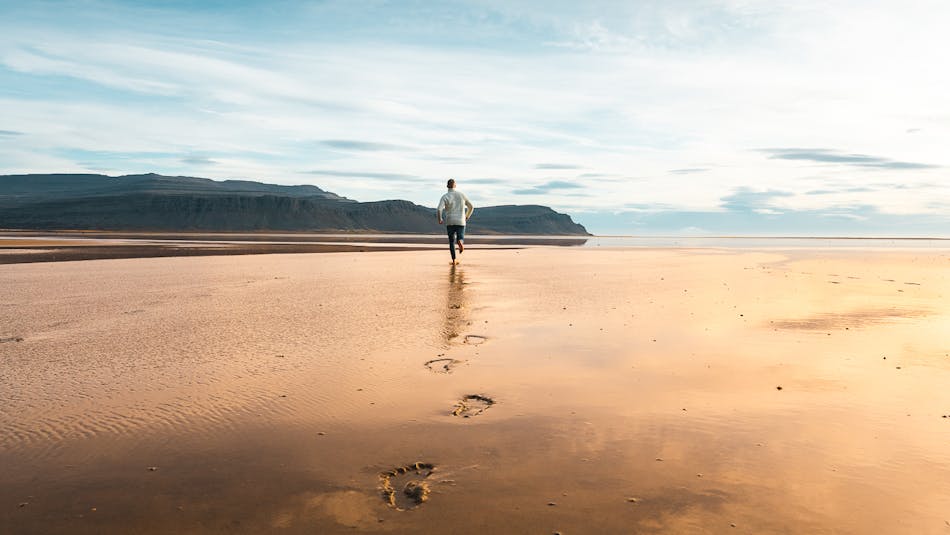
x=469 y=207
x=440 y=208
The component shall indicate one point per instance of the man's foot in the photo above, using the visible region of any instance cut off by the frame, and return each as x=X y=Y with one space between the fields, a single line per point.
x=461 y=246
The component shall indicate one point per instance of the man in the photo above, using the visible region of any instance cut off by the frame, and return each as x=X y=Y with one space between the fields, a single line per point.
x=457 y=209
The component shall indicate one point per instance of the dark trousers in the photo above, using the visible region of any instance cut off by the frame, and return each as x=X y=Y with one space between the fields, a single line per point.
x=456 y=233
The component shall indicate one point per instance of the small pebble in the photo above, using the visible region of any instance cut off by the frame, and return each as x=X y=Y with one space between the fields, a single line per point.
x=778 y=387
x=321 y=433
x=551 y=504
x=24 y=504
x=732 y=525
x=633 y=500
x=152 y=468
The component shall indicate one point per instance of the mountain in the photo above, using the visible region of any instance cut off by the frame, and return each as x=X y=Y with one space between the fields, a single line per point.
x=156 y=202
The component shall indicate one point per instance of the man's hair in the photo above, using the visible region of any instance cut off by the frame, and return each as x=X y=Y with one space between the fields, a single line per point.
x=451 y=183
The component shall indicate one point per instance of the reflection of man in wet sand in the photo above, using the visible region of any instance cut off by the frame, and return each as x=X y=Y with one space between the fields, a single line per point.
x=456 y=307
x=457 y=209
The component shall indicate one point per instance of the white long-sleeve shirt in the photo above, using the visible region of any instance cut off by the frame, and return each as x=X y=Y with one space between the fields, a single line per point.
x=456 y=207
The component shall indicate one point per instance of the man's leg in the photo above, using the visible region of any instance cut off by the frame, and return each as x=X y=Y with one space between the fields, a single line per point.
x=460 y=237
x=450 y=229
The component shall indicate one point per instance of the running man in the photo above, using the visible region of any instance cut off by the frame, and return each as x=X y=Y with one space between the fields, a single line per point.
x=457 y=210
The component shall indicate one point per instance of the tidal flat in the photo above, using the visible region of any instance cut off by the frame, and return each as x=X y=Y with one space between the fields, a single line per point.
x=529 y=390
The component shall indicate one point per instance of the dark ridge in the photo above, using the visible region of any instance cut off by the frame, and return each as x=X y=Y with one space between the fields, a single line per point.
x=165 y=203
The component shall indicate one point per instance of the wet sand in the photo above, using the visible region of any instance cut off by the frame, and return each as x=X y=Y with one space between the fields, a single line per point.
x=22 y=247
x=539 y=390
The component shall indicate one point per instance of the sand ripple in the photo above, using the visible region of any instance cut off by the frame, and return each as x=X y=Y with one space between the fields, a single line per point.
x=134 y=348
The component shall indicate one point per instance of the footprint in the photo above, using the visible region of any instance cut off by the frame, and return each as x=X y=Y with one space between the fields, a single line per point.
x=474 y=339
x=11 y=339
x=442 y=365
x=410 y=480
x=472 y=405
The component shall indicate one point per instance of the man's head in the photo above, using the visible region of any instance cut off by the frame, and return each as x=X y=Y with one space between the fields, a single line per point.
x=450 y=184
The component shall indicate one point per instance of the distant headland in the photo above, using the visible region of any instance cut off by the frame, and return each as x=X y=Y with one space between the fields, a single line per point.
x=178 y=203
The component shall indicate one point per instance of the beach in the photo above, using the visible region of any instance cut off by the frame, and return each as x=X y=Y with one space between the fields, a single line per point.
x=530 y=389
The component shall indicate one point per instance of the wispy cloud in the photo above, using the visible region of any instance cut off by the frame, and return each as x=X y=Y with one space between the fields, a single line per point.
x=557 y=166
x=198 y=160
x=355 y=145
x=688 y=170
x=487 y=181
x=361 y=174
x=836 y=157
x=749 y=200
x=548 y=187
x=10 y=133
x=860 y=189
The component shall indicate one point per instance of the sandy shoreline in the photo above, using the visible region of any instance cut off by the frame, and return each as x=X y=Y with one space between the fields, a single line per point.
x=633 y=391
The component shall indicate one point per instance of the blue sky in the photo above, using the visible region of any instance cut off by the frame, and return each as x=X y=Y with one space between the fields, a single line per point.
x=645 y=117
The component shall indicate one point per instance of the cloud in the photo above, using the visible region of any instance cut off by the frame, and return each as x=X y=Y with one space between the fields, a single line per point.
x=447 y=159
x=361 y=174
x=857 y=220
x=688 y=171
x=832 y=156
x=10 y=133
x=198 y=160
x=548 y=187
x=859 y=189
x=486 y=181
x=557 y=166
x=748 y=200
x=369 y=146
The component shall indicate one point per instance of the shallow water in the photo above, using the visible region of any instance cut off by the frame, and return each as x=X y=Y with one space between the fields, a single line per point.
x=634 y=391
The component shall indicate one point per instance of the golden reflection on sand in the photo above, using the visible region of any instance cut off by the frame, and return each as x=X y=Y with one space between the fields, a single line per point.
x=456 y=305
x=646 y=391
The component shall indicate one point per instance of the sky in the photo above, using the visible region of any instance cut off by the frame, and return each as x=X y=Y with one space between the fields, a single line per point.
x=807 y=117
